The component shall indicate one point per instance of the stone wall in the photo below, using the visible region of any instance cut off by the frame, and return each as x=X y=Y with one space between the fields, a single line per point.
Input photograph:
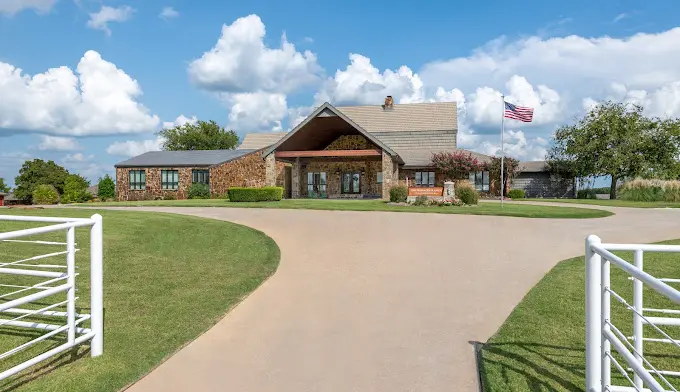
x=247 y=171
x=368 y=184
x=350 y=142
x=153 y=189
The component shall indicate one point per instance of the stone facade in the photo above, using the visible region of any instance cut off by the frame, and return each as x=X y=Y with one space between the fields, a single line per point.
x=334 y=168
x=388 y=174
x=350 y=142
x=248 y=170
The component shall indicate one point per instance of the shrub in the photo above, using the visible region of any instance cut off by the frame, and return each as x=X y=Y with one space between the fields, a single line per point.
x=45 y=194
x=650 y=190
x=268 y=193
x=106 y=188
x=199 y=191
x=75 y=190
x=398 y=194
x=466 y=193
x=516 y=194
x=421 y=200
x=586 y=194
x=169 y=196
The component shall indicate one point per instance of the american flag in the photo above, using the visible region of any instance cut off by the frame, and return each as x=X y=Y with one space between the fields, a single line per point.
x=520 y=113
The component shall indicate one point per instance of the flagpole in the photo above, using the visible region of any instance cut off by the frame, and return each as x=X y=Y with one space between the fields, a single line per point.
x=502 y=146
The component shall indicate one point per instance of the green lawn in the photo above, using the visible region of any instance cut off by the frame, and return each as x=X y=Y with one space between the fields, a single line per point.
x=611 y=203
x=541 y=346
x=526 y=211
x=167 y=279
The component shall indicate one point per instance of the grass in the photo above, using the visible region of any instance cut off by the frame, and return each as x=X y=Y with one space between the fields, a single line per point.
x=167 y=279
x=611 y=203
x=526 y=211
x=541 y=346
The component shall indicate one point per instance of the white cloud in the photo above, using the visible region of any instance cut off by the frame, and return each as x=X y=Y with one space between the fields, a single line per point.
x=97 y=99
x=240 y=62
x=168 y=13
x=620 y=17
x=516 y=145
x=77 y=157
x=100 y=20
x=84 y=165
x=257 y=111
x=180 y=120
x=58 y=143
x=133 y=148
x=11 y=7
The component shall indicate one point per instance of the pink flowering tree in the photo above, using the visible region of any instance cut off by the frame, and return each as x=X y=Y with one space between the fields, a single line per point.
x=456 y=165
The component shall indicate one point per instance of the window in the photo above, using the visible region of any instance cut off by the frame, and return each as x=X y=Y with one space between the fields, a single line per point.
x=169 y=180
x=481 y=180
x=425 y=179
x=316 y=184
x=379 y=177
x=137 y=180
x=200 y=176
x=351 y=182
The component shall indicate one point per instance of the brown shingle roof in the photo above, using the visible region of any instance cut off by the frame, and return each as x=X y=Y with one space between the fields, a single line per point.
x=256 y=141
x=422 y=157
x=429 y=116
x=533 y=167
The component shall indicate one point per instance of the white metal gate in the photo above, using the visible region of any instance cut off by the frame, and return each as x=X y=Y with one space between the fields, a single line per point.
x=19 y=303
x=602 y=334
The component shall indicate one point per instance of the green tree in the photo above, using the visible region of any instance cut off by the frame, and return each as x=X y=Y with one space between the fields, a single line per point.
x=616 y=140
x=106 y=188
x=3 y=188
x=510 y=171
x=38 y=172
x=200 y=136
x=75 y=189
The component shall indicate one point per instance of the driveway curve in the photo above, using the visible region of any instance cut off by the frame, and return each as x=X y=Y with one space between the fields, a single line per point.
x=380 y=301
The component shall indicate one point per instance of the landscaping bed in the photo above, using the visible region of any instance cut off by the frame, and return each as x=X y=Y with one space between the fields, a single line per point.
x=167 y=279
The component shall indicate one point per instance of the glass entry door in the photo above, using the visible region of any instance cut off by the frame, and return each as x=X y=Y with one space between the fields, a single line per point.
x=351 y=182
x=316 y=184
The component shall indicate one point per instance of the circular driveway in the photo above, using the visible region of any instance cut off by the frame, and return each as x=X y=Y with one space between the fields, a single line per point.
x=380 y=301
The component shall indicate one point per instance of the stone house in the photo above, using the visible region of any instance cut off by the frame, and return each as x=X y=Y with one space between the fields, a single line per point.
x=336 y=152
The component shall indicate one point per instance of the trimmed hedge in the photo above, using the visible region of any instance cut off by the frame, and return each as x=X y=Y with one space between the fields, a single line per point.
x=466 y=193
x=199 y=191
x=398 y=194
x=268 y=193
x=516 y=194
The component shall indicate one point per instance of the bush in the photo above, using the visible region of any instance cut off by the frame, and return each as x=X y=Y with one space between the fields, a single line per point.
x=516 y=194
x=398 y=194
x=421 y=200
x=75 y=190
x=106 y=188
x=466 y=193
x=268 y=193
x=169 y=196
x=586 y=194
x=199 y=191
x=650 y=190
x=45 y=194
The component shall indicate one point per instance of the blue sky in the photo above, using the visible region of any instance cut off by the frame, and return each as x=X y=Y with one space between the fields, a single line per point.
x=126 y=70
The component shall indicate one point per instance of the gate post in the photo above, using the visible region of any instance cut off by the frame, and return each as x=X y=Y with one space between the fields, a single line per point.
x=97 y=286
x=593 y=316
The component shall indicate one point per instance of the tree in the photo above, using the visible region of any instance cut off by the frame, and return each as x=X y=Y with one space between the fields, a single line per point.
x=456 y=165
x=616 y=140
x=3 y=188
x=510 y=171
x=75 y=189
x=200 y=136
x=38 y=172
x=106 y=189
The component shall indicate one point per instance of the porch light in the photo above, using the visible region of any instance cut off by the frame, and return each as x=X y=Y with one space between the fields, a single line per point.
x=363 y=172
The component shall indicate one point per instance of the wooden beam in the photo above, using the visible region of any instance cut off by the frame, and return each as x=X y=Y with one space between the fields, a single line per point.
x=328 y=153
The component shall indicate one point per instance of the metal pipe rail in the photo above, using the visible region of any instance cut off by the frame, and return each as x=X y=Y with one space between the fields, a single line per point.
x=602 y=334
x=53 y=284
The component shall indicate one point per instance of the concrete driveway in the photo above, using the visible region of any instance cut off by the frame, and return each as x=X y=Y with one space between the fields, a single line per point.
x=376 y=301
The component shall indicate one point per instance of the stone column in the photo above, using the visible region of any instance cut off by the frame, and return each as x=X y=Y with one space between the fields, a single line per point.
x=295 y=180
x=270 y=168
x=388 y=173
x=449 y=190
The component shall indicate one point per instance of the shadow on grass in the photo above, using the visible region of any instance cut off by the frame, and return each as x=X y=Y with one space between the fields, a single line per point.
x=524 y=366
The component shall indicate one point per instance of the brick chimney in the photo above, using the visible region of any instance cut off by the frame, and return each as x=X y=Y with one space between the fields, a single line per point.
x=389 y=102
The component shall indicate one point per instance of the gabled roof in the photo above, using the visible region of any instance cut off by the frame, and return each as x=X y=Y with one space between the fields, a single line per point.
x=260 y=140
x=328 y=110
x=184 y=158
x=426 y=116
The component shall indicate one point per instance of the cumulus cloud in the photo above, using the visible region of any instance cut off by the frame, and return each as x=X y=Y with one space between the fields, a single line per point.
x=168 y=13
x=517 y=146
x=180 y=120
x=11 y=7
x=256 y=111
x=240 y=62
x=100 y=20
x=58 y=143
x=133 y=148
x=98 y=99
x=85 y=165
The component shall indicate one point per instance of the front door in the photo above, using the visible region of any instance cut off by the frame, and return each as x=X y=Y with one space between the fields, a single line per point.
x=351 y=182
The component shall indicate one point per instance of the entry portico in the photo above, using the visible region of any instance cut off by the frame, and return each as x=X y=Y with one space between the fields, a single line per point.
x=331 y=156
